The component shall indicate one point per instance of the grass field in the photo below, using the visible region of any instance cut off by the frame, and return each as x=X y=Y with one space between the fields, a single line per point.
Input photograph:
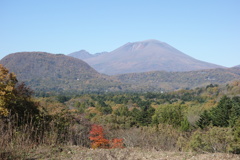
x=80 y=153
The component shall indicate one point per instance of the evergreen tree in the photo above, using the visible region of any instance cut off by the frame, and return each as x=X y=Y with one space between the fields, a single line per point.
x=205 y=119
x=221 y=114
x=225 y=114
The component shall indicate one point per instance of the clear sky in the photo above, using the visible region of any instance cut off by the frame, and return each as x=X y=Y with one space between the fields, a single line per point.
x=207 y=30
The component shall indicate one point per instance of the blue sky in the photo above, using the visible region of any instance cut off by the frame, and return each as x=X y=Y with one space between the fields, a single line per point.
x=207 y=30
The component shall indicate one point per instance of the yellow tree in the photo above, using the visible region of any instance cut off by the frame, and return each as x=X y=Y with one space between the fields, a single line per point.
x=14 y=98
x=7 y=84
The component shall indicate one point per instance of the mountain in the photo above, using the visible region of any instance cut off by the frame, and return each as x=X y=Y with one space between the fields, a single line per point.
x=45 y=72
x=144 y=56
x=54 y=72
x=162 y=80
x=237 y=66
x=82 y=54
x=98 y=54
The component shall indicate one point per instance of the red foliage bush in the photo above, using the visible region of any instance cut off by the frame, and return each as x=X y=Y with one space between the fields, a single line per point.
x=116 y=143
x=98 y=140
x=97 y=137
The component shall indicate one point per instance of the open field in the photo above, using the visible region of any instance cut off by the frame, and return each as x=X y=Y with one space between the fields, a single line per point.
x=80 y=153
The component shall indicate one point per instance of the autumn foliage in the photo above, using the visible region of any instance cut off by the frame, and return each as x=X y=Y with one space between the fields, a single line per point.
x=116 y=143
x=98 y=140
x=15 y=98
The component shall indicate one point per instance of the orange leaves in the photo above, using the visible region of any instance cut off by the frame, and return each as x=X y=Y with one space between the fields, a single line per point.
x=97 y=137
x=116 y=143
x=98 y=140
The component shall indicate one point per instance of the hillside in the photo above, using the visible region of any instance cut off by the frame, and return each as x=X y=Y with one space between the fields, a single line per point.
x=237 y=66
x=145 y=56
x=202 y=123
x=50 y=72
x=161 y=80
x=59 y=73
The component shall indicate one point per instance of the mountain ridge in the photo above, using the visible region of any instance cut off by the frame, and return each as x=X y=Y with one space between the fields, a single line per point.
x=145 y=56
x=82 y=54
x=45 y=72
x=238 y=66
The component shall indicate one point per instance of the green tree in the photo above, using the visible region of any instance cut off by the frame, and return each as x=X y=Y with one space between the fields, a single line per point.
x=62 y=98
x=225 y=114
x=122 y=111
x=143 y=116
x=185 y=125
x=137 y=116
x=205 y=119
x=170 y=114
x=221 y=114
x=235 y=111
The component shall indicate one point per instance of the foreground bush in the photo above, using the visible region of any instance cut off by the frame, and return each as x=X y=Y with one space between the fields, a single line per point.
x=214 y=139
x=46 y=130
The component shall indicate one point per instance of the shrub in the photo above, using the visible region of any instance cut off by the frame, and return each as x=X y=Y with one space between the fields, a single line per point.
x=99 y=141
x=170 y=114
x=97 y=137
x=215 y=139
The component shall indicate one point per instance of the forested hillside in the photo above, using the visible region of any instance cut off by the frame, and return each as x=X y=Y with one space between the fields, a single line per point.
x=238 y=66
x=155 y=81
x=45 y=72
x=49 y=72
x=201 y=120
x=181 y=120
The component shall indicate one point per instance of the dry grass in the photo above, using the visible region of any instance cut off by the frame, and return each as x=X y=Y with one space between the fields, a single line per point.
x=80 y=153
x=19 y=138
x=26 y=142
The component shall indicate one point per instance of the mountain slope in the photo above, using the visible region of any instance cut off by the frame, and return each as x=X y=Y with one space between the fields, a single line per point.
x=237 y=66
x=59 y=73
x=144 y=56
x=162 y=80
x=82 y=54
x=50 y=72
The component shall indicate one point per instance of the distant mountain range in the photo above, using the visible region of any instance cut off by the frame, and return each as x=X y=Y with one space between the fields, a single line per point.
x=143 y=56
x=45 y=72
x=83 y=54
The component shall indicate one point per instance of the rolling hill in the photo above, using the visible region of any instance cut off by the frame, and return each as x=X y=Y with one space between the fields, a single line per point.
x=51 y=72
x=144 y=56
x=162 y=80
